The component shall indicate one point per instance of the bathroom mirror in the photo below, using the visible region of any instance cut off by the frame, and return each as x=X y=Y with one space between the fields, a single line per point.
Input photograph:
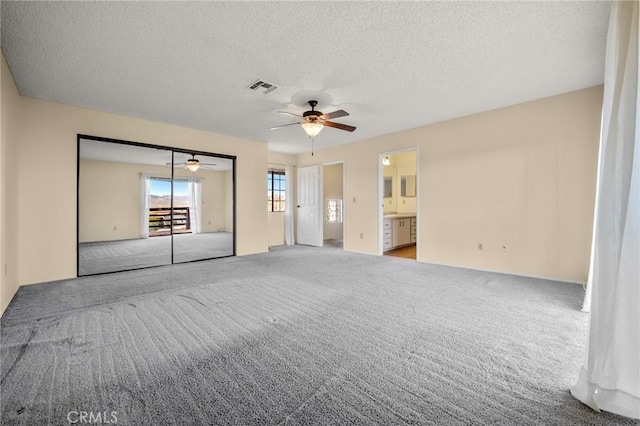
x=144 y=205
x=388 y=187
x=408 y=186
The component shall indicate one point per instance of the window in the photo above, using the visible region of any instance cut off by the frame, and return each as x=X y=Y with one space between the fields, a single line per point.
x=160 y=212
x=334 y=211
x=275 y=191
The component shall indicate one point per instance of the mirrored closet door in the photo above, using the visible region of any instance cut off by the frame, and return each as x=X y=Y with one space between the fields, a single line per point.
x=141 y=206
x=203 y=207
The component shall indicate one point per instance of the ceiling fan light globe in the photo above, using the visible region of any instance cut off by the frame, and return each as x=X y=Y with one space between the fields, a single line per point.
x=312 y=128
x=193 y=165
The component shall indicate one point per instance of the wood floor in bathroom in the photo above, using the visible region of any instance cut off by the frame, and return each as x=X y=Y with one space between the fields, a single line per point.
x=406 y=252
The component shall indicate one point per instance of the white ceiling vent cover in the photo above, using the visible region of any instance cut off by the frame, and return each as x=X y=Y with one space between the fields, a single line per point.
x=261 y=85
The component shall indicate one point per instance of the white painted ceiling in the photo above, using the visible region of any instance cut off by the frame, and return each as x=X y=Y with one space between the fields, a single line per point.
x=391 y=65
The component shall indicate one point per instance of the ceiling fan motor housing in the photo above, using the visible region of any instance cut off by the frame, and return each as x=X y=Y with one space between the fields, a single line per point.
x=312 y=115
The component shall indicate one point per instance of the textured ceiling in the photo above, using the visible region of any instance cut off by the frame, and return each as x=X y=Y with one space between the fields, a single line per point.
x=391 y=65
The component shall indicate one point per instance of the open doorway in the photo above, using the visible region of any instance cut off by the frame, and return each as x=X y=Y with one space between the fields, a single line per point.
x=333 y=204
x=320 y=205
x=399 y=203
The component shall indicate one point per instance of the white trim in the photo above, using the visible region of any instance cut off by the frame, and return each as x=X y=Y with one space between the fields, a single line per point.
x=494 y=271
x=360 y=252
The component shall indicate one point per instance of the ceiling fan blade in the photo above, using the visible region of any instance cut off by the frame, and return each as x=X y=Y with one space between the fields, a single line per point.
x=335 y=114
x=284 y=125
x=208 y=164
x=339 y=126
x=290 y=113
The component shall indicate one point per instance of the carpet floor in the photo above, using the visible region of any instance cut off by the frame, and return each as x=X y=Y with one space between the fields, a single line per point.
x=122 y=255
x=299 y=335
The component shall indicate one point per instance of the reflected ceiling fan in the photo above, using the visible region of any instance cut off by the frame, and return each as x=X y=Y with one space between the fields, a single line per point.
x=194 y=164
x=314 y=121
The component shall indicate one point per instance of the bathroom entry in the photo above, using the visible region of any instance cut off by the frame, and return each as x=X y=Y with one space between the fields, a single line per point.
x=399 y=193
x=333 y=200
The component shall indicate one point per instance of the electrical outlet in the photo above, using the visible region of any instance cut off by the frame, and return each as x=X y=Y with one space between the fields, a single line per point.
x=115 y=228
x=479 y=246
x=361 y=236
x=354 y=199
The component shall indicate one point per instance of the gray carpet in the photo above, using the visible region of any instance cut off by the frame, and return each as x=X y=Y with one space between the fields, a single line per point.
x=299 y=335
x=110 y=256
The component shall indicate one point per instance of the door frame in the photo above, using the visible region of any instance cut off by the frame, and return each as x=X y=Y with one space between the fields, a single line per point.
x=321 y=212
x=381 y=155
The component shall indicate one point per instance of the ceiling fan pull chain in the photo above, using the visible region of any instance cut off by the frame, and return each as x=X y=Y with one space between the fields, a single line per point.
x=312 y=147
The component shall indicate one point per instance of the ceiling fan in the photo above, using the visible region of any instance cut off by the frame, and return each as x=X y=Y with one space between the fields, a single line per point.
x=193 y=164
x=314 y=121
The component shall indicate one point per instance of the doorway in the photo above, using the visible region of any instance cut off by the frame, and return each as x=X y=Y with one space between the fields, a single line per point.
x=398 y=201
x=333 y=195
x=320 y=205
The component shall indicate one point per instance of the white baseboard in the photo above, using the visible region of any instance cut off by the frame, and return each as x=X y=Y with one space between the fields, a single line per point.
x=360 y=252
x=562 y=280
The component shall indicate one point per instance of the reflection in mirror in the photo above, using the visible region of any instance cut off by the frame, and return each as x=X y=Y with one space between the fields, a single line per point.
x=114 y=229
x=203 y=207
x=388 y=187
x=143 y=206
x=408 y=186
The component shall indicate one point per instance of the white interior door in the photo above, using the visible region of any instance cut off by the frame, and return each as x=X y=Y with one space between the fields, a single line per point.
x=309 y=204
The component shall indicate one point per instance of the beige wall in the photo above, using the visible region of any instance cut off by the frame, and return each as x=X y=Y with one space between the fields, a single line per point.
x=276 y=229
x=119 y=184
x=521 y=177
x=11 y=115
x=47 y=154
x=331 y=189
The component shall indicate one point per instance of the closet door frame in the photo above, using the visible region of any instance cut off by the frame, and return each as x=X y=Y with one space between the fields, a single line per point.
x=172 y=150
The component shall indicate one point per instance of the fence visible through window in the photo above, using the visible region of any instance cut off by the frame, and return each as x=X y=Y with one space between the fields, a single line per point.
x=160 y=221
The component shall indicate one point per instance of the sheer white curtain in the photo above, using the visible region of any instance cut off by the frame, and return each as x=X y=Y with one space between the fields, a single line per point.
x=145 y=184
x=289 y=208
x=195 y=203
x=610 y=377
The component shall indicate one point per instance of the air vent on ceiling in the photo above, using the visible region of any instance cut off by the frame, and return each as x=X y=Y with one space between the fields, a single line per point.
x=261 y=85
